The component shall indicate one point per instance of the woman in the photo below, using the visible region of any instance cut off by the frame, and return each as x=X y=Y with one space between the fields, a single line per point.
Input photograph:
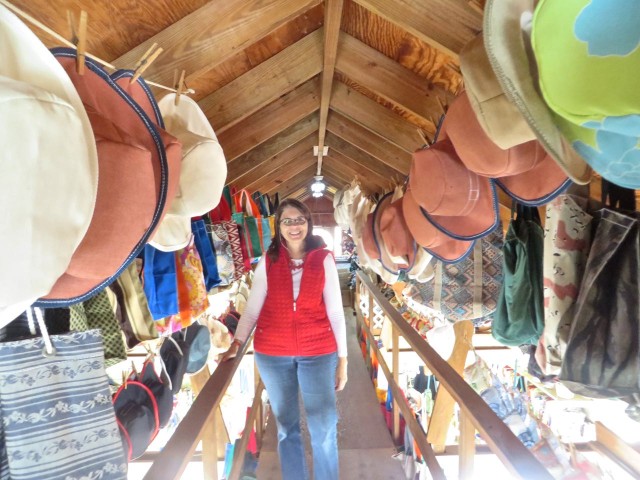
x=300 y=340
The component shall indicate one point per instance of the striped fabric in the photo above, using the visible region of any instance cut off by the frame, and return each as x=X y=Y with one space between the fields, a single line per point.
x=57 y=414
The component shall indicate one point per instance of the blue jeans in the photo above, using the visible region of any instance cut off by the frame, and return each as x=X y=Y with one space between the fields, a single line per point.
x=314 y=377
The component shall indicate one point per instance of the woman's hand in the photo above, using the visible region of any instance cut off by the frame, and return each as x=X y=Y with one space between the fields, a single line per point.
x=341 y=373
x=231 y=352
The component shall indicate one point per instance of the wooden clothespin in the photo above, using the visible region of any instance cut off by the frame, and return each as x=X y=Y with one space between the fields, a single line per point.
x=181 y=88
x=443 y=107
x=79 y=38
x=149 y=56
x=423 y=137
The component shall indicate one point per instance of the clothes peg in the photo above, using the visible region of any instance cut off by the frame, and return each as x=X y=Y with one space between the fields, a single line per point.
x=145 y=61
x=180 y=88
x=423 y=137
x=79 y=38
x=443 y=107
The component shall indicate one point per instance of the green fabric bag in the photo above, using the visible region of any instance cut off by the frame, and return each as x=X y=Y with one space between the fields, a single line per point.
x=247 y=215
x=519 y=316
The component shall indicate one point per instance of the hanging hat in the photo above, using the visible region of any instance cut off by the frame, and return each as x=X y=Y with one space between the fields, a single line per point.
x=396 y=240
x=507 y=47
x=137 y=417
x=423 y=269
x=436 y=242
x=132 y=185
x=203 y=172
x=383 y=255
x=161 y=392
x=174 y=353
x=588 y=76
x=499 y=118
x=199 y=340
x=456 y=200
x=141 y=94
x=49 y=179
x=525 y=171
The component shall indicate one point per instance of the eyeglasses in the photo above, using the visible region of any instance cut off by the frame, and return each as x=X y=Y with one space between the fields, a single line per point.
x=290 y=222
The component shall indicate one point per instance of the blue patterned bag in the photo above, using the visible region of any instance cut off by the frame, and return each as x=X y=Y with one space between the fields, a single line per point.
x=57 y=414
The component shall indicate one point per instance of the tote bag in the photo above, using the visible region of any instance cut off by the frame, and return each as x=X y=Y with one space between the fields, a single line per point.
x=57 y=416
x=160 y=282
x=247 y=216
x=207 y=256
x=224 y=255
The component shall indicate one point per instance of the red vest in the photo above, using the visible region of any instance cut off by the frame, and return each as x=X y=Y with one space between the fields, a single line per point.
x=299 y=328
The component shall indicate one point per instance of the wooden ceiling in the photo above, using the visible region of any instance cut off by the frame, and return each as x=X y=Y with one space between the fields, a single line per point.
x=367 y=78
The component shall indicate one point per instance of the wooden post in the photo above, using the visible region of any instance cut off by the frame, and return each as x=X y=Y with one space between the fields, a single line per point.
x=395 y=365
x=209 y=436
x=467 y=447
x=443 y=406
x=259 y=417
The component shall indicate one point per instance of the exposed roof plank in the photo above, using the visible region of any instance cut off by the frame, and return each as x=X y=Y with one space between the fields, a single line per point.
x=445 y=24
x=296 y=181
x=255 y=179
x=292 y=170
x=246 y=163
x=339 y=146
x=271 y=120
x=347 y=172
x=375 y=117
x=390 y=80
x=213 y=33
x=332 y=19
x=369 y=142
x=266 y=82
x=350 y=165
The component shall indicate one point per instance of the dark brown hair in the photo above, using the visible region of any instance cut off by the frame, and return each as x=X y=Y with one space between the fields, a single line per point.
x=310 y=241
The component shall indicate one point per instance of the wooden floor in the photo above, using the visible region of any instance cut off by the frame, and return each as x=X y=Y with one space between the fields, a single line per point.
x=365 y=445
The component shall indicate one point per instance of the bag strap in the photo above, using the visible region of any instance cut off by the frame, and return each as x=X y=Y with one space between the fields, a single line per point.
x=477 y=279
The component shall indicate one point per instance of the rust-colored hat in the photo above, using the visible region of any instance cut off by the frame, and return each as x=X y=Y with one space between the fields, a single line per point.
x=437 y=243
x=456 y=200
x=400 y=243
x=368 y=241
x=132 y=184
x=525 y=171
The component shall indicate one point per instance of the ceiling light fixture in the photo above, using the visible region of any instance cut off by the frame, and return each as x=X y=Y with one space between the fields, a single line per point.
x=318 y=186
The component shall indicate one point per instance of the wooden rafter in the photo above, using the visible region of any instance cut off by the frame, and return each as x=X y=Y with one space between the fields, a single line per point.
x=445 y=24
x=369 y=142
x=267 y=82
x=375 y=117
x=212 y=34
x=337 y=144
x=363 y=167
x=294 y=169
x=271 y=120
x=246 y=163
x=332 y=19
x=390 y=81
x=303 y=177
x=348 y=173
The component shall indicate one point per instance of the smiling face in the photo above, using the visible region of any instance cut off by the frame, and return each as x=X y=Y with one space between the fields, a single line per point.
x=295 y=234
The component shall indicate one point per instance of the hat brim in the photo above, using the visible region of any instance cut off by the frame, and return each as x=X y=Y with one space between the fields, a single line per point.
x=510 y=62
x=140 y=92
x=386 y=258
x=433 y=240
x=173 y=233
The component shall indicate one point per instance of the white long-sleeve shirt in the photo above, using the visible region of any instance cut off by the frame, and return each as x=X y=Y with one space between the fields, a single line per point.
x=331 y=295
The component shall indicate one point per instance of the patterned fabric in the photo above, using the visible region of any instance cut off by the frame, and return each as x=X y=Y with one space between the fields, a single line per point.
x=455 y=288
x=98 y=313
x=567 y=242
x=233 y=234
x=224 y=255
x=57 y=414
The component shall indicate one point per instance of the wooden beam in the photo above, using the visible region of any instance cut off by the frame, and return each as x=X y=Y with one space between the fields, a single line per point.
x=361 y=170
x=338 y=145
x=290 y=171
x=212 y=34
x=348 y=173
x=278 y=163
x=444 y=24
x=332 y=19
x=374 y=117
x=390 y=80
x=266 y=83
x=369 y=142
x=304 y=176
x=271 y=120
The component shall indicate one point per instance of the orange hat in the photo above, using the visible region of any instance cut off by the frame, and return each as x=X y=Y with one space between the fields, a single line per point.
x=402 y=244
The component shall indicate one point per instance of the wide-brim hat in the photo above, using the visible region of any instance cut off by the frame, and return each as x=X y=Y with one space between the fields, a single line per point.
x=137 y=417
x=588 y=76
x=530 y=175
x=423 y=269
x=198 y=338
x=436 y=242
x=397 y=241
x=161 y=392
x=456 y=200
x=497 y=115
x=507 y=48
x=49 y=179
x=203 y=172
x=388 y=263
x=132 y=187
x=174 y=353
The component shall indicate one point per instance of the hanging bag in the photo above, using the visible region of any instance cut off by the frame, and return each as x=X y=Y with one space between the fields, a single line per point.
x=226 y=229
x=247 y=216
x=57 y=416
x=207 y=255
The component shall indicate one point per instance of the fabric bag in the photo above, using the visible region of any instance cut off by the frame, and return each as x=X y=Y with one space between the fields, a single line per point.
x=99 y=313
x=57 y=416
x=160 y=282
x=602 y=358
x=247 y=215
x=207 y=255
x=468 y=289
x=132 y=313
x=220 y=217
x=567 y=240
x=224 y=256
x=519 y=317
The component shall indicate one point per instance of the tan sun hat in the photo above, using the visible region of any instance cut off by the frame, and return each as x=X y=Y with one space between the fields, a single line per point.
x=49 y=180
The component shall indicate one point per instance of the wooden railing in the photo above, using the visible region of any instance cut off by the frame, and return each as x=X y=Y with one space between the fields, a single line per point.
x=475 y=414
